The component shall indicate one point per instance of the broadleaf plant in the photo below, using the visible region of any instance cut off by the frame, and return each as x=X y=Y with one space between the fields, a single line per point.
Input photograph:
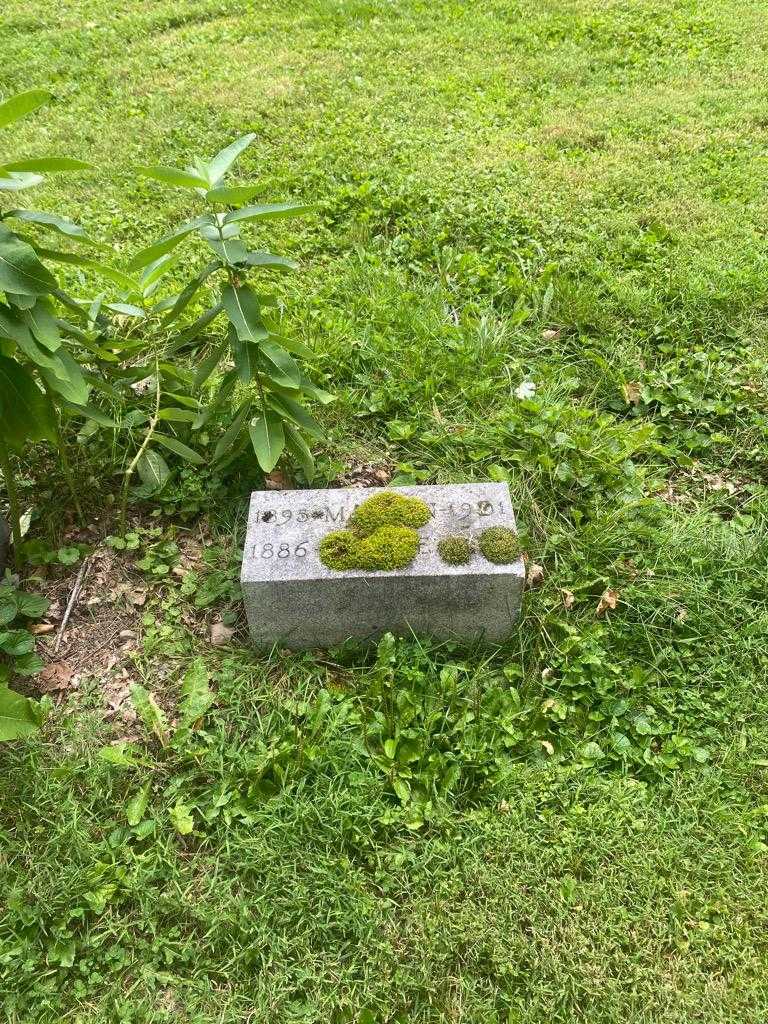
x=41 y=376
x=261 y=389
x=19 y=716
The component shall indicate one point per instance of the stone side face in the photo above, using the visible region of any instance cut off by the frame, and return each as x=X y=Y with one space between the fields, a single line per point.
x=292 y=599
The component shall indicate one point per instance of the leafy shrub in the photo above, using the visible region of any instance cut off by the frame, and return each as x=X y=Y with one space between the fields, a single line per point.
x=267 y=384
x=41 y=376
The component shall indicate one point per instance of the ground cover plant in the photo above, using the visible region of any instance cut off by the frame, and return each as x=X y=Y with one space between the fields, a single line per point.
x=537 y=254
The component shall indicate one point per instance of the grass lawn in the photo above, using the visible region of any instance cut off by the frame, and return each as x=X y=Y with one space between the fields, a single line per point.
x=572 y=827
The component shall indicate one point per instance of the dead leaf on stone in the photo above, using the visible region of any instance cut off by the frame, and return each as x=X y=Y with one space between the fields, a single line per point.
x=631 y=391
x=56 y=676
x=221 y=634
x=568 y=598
x=608 y=601
x=535 y=575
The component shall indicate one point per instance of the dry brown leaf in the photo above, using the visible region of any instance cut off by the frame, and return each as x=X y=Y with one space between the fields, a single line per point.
x=276 y=481
x=550 y=334
x=568 y=598
x=631 y=392
x=221 y=634
x=608 y=600
x=535 y=575
x=41 y=628
x=56 y=676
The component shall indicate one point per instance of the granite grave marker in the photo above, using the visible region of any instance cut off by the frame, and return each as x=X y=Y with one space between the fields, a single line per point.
x=294 y=600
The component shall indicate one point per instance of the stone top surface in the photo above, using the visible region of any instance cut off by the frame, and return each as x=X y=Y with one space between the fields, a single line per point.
x=286 y=527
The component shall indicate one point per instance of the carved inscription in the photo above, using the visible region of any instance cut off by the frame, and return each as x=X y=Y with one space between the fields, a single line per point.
x=336 y=516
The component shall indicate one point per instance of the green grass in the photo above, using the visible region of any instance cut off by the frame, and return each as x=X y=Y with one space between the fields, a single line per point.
x=572 y=193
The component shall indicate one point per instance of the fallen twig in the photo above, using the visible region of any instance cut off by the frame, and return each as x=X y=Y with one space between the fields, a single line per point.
x=72 y=600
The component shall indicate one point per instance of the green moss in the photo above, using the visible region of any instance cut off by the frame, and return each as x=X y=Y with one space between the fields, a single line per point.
x=389 y=547
x=499 y=544
x=337 y=550
x=388 y=509
x=381 y=535
x=454 y=550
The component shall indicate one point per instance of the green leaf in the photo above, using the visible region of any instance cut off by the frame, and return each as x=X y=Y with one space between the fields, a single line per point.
x=181 y=818
x=292 y=345
x=167 y=242
x=196 y=695
x=268 y=439
x=28 y=664
x=90 y=412
x=21 y=301
x=25 y=413
x=20 y=269
x=121 y=755
x=153 y=470
x=100 y=269
x=47 y=164
x=209 y=364
x=186 y=295
x=290 y=409
x=19 y=716
x=233 y=196
x=22 y=103
x=231 y=250
x=298 y=448
x=173 y=176
x=136 y=807
x=178 y=448
x=279 y=366
x=244 y=312
x=32 y=605
x=17 y=642
x=42 y=323
x=266 y=211
x=16 y=181
x=262 y=258
x=231 y=434
x=67 y=379
x=245 y=356
x=174 y=415
x=49 y=220
x=194 y=329
x=149 y=712
x=227 y=156
x=9 y=604
x=157 y=269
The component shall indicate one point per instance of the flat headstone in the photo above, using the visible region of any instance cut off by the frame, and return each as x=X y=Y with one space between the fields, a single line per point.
x=294 y=600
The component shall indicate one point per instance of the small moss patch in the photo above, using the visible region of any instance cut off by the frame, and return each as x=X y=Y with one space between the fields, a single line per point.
x=337 y=550
x=499 y=544
x=381 y=536
x=388 y=509
x=454 y=550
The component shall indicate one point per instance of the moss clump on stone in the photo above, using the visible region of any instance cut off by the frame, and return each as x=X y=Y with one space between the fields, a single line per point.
x=388 y=509
x=454 y=550
x=499 y=544
x=337 y=550
x=389 y=547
